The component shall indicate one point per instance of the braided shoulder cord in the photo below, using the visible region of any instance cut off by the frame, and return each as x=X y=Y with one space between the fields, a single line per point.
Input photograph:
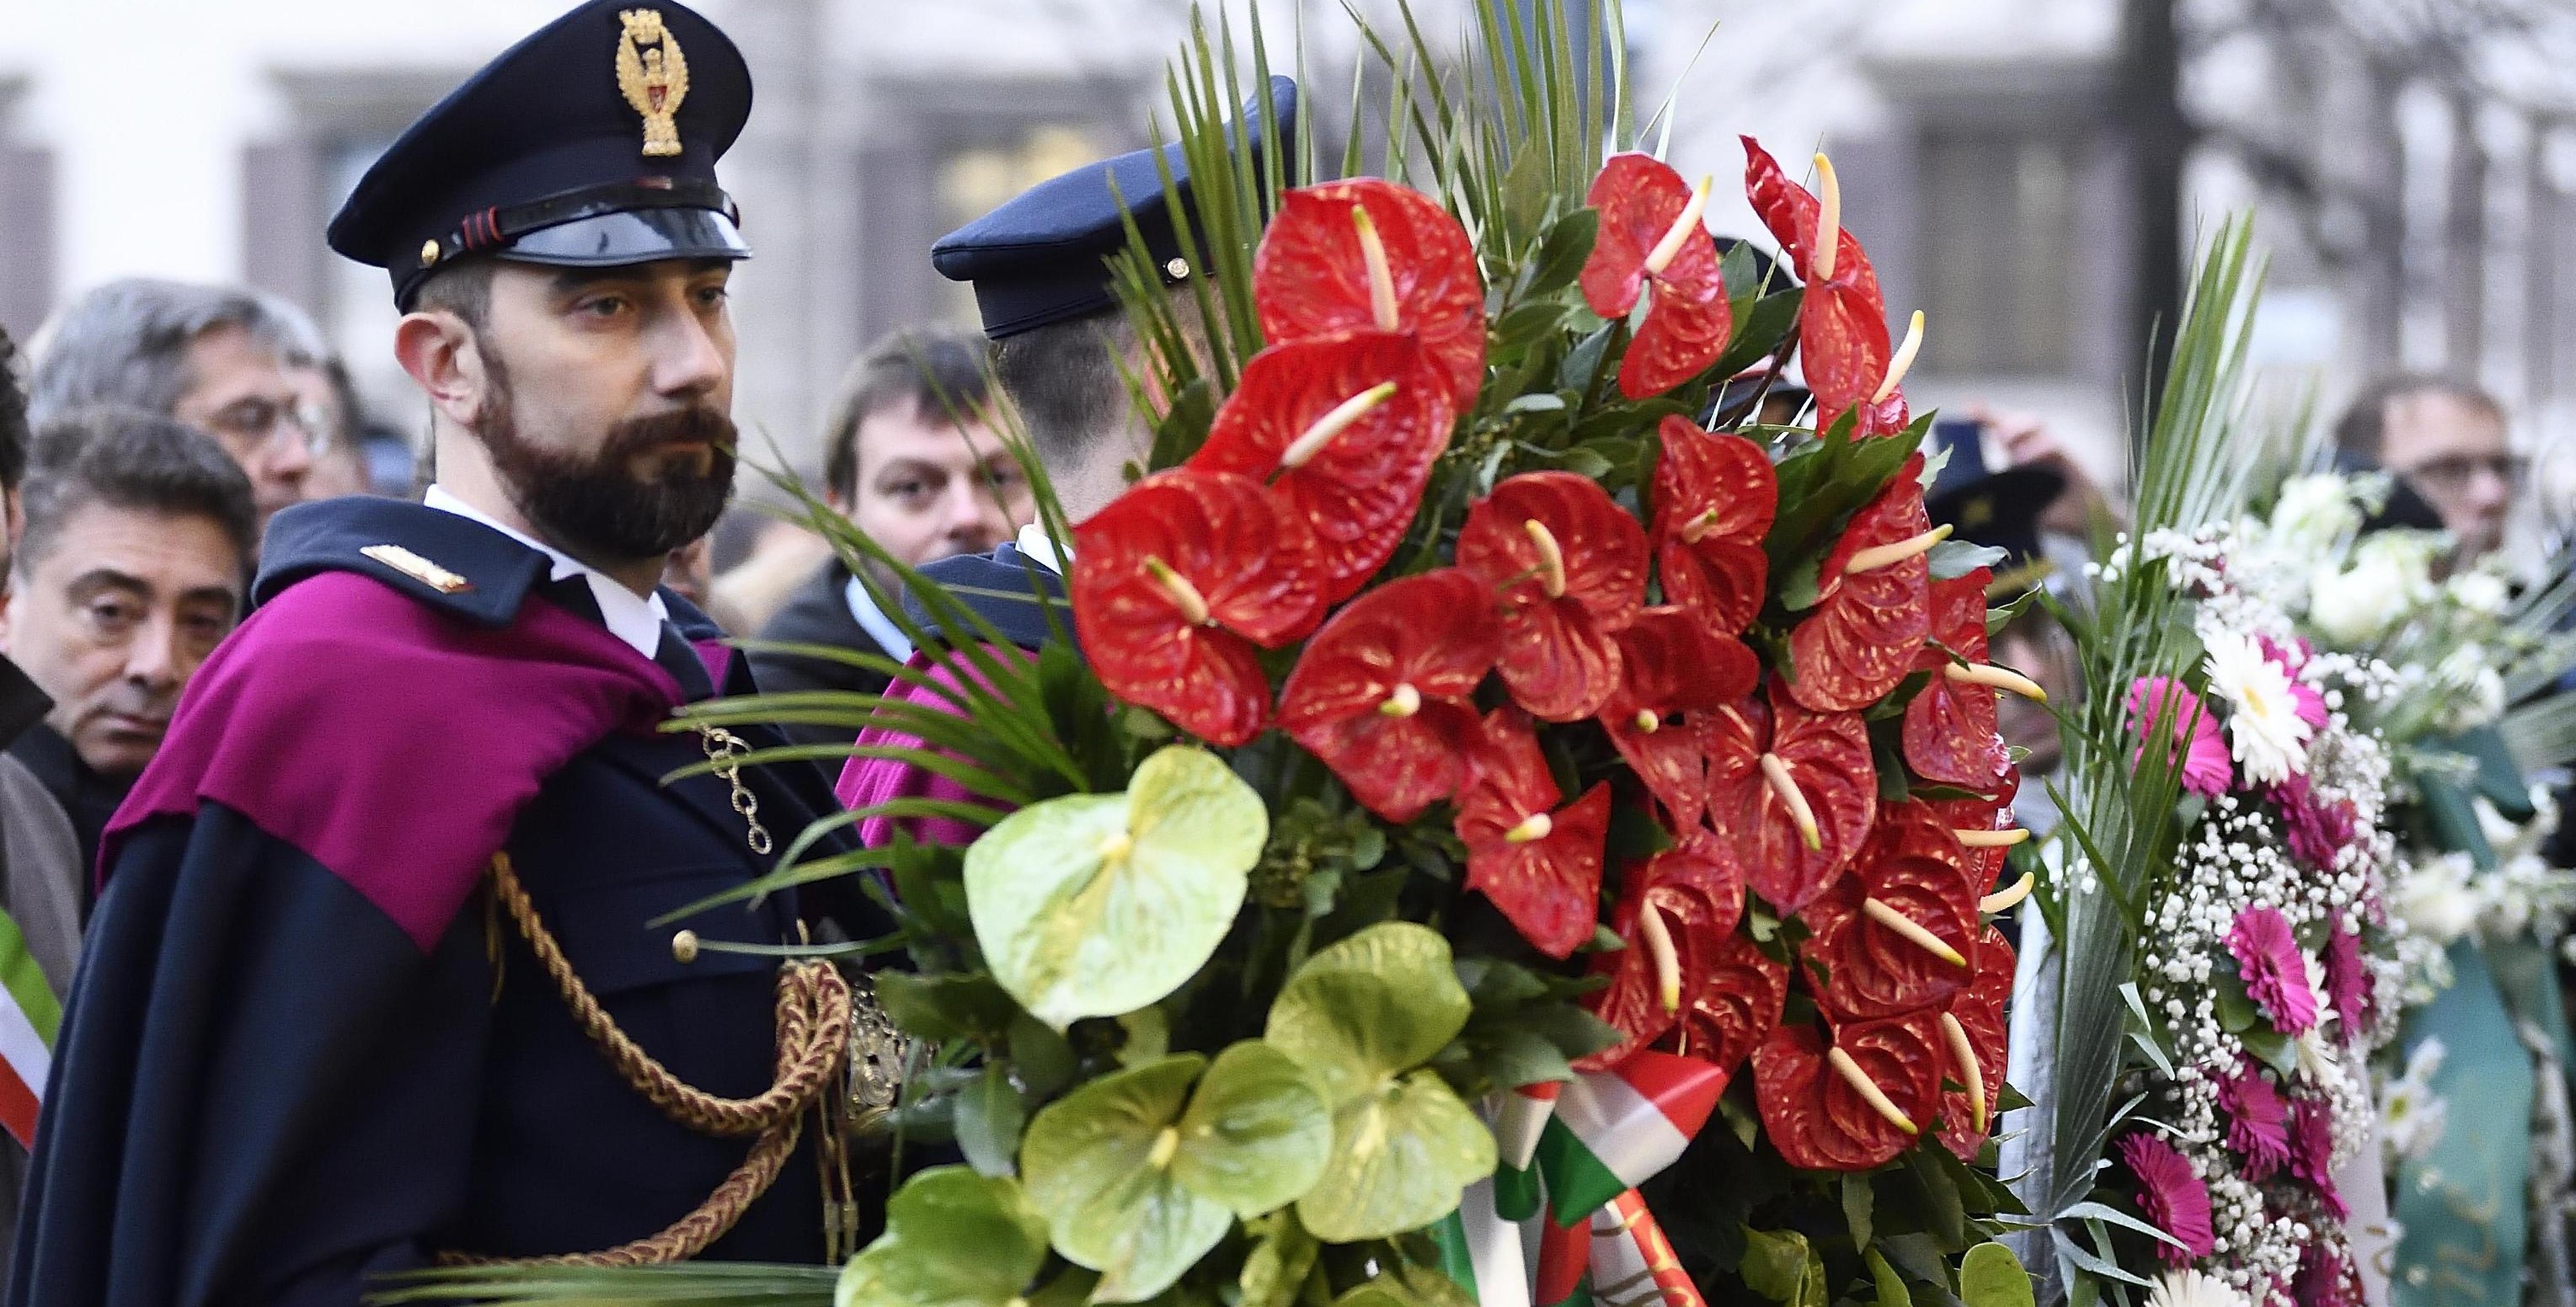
x=814 y=1016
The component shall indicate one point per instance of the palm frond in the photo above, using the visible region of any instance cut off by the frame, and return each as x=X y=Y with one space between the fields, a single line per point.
x=2542 y=735
x=2196 y=466
x=707 y=1284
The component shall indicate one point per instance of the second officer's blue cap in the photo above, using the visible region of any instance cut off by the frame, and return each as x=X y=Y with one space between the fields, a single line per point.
x=592 y=143
x=1042 y=257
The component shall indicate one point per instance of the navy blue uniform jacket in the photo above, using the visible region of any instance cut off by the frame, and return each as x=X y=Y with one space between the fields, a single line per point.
x=302 y=1051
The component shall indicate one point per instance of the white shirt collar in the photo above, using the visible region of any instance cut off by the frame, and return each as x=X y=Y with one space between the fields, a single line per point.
x=872 y=619
x=1041 y=548
x=635 y=619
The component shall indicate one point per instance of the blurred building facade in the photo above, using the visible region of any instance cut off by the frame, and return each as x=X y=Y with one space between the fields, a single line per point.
x=2416 y=203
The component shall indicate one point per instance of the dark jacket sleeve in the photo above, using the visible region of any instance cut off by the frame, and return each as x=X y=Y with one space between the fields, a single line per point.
x=263 y=1091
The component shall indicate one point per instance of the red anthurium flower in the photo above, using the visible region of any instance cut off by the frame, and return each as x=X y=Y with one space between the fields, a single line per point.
x=1539 y=863
x=1883 y=419
x=1652 y=236
x=1974 y=1034
x=1842 y=321
x=1672 y=673
x=1350 y=424
x=1791 y=794
x=1736 y=1005
x=1900 y=933
x=1381 y=693
x=1873 y=603
x=1174 y=584
x=1571 y=566
x=1715 y=497
x=1676 y=912
x=1984 y=826
x=1367 y=254
x=1851 y=1102
x=1950 y=734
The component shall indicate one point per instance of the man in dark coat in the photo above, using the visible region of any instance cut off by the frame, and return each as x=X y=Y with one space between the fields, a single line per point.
x=41 y=873
x=913 y=459
x=136 y=536
x=1039 y=265
x=385 y=968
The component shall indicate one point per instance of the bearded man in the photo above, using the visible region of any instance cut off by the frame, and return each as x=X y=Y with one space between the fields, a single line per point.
x=384 y=973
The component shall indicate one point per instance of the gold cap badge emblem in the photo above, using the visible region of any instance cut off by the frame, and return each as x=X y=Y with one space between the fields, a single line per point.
x=653 y=76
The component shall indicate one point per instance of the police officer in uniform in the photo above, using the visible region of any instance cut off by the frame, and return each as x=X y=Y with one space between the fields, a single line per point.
x=1041 y=272
x=401 y=958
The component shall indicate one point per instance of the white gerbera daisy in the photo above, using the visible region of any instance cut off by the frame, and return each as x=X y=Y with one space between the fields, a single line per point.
x=2269 y=737
x=2193 y=1289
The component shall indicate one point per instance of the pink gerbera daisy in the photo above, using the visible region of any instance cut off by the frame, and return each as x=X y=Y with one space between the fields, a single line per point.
x=2326 y=1277
x=2202 y=750
x=2312 y=1151
x=2347 y=979
x=2276 y=977
x=2258 y=1122
x=2171 y=1197
x=2318 y=830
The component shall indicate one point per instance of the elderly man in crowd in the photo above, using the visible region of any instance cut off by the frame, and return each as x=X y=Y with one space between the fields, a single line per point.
x=137 y=546
x=2444 y=440
x=218 y=358
x=913 y=459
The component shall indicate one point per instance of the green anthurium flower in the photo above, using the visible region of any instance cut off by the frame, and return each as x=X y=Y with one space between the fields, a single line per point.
x=1363 y=1015
x=1141 y=1176
x=952 y=1239
x=1097 y=904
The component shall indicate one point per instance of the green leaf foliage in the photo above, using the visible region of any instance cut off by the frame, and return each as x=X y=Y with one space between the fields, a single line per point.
x=1823 y=485
x=1362 y=1015
x=1991 y=1276
x=1141 y=1175
x=1098 y=904
x=1561 y=254
x=989 y=1114
x=1111 y=1202
x=698 y=1284
x=1783 y=1267
x=1888 y=1285
x=1256 y=1133
x=1401 y=1156
x=1377 y=1004
x=952 y=1239
x=945 y=1008
x=1283 y=1256
x=1952 y=559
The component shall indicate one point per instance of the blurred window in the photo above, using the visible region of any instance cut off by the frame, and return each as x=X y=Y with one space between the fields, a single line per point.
x=26 y=225
x=1998 y=221
x=336 y=122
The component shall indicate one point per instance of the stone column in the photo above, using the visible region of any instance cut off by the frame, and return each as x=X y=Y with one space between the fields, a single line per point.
x=781 y=304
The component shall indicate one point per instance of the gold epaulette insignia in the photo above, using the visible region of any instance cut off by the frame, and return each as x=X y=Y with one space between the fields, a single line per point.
x=653 y=76
x=418 y=568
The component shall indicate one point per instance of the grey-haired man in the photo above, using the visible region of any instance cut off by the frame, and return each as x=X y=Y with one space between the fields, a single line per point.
x=219 y=358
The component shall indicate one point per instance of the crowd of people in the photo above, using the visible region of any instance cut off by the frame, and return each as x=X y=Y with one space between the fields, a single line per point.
x=189 y=473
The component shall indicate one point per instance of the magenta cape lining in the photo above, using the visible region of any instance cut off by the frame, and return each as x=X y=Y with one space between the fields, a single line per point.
x=393 y=744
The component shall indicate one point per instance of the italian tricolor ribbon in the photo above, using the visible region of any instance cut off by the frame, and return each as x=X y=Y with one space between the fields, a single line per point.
x=1614 y=1129
x=1483 y=1252
x=30 y=1016
x=1586 y=1144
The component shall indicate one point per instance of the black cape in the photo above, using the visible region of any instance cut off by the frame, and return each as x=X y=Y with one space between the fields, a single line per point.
x=301 y=1053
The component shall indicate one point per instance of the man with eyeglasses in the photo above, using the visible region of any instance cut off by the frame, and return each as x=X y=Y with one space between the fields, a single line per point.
x=2445 y=439
x=219 y=358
